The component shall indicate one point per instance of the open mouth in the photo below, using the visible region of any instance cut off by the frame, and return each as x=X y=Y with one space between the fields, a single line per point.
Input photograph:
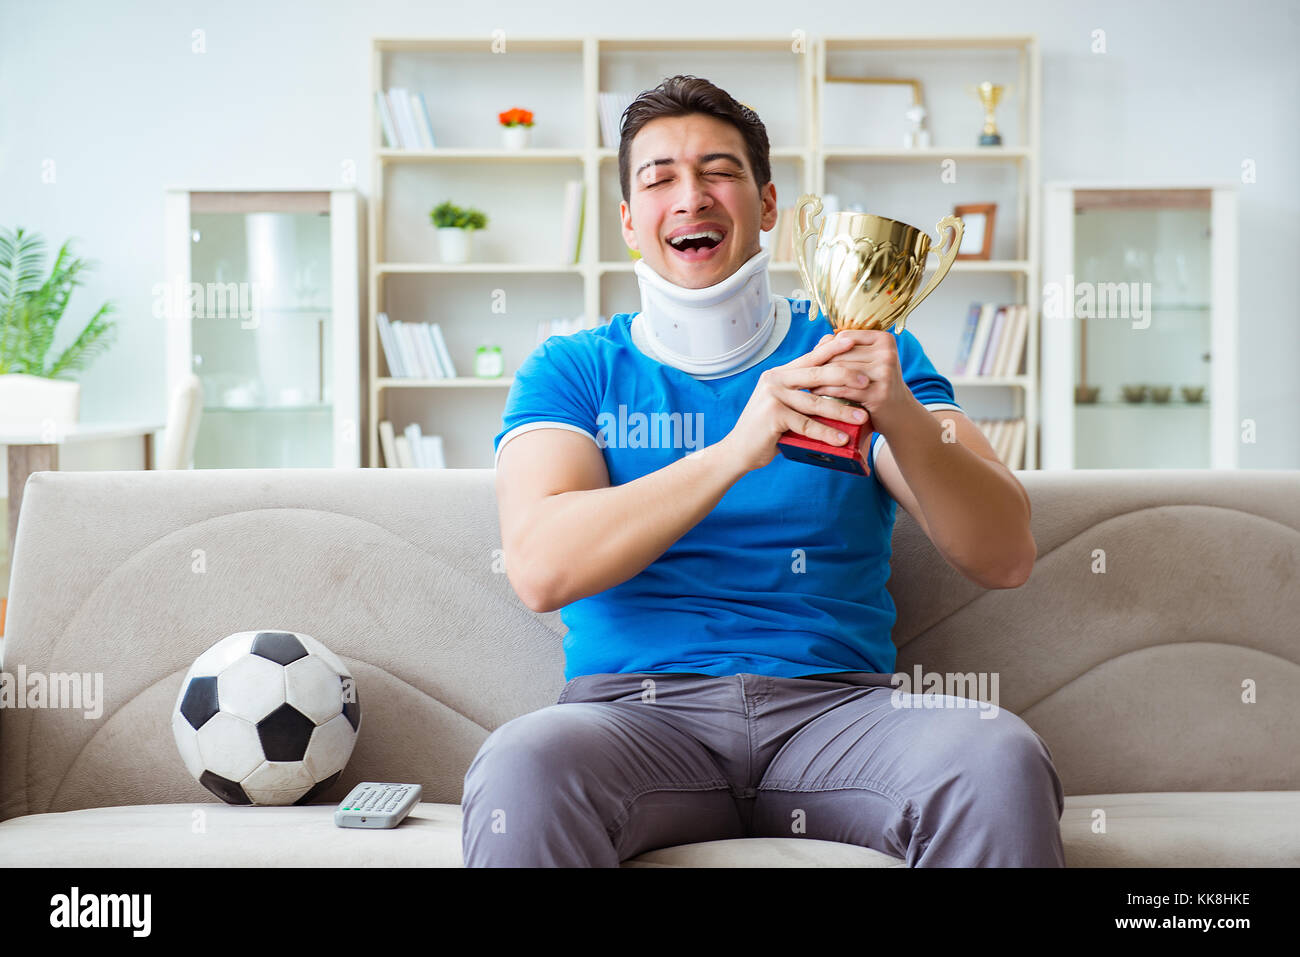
x=697 y=248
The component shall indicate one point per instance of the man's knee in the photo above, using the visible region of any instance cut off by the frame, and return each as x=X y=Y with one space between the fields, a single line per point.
x=1003 y=755
x=526 y=800
x=533 y=750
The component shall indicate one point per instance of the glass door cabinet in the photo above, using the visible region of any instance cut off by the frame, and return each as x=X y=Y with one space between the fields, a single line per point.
x=1139 y=327
x=263 y=305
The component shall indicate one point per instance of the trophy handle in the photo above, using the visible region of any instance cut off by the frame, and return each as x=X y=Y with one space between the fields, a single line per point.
x=945 y=263
x=803 y=229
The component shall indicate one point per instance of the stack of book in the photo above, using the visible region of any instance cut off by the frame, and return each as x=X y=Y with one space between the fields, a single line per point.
x=993 y=341
x=1007 y=436
x=411 y=449
x=404 y=118
x=415 y=349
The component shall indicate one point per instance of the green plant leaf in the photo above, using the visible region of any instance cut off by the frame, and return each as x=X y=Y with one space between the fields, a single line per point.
x=30 y=309
x=93 y=340
x=22 y=260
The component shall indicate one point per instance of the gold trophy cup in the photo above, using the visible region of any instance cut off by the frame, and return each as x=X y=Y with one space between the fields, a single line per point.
x=864 y=275
x=990 y=94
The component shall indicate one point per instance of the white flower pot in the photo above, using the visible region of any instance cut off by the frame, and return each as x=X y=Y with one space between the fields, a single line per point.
x=515 y=137
x=29 y=400
x=453 y=244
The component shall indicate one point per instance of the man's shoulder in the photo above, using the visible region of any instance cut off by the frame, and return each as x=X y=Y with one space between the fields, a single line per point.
x=592 y=338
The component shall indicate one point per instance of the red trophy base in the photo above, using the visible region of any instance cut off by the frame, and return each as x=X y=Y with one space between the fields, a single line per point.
x=844 y=458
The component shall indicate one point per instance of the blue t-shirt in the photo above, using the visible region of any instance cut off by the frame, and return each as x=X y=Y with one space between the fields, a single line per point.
x=784 y=577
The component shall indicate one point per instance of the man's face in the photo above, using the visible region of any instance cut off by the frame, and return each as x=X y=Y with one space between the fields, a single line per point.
x=694 y=187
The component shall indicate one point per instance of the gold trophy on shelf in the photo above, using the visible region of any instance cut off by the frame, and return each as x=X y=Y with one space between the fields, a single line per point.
x=990 y=94
x=864 y=275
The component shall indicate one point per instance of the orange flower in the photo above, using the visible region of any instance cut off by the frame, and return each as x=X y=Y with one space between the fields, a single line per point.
x=516 y=117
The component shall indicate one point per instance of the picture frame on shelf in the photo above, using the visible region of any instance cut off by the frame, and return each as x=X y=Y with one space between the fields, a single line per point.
x=977 y=240
x=877 y=106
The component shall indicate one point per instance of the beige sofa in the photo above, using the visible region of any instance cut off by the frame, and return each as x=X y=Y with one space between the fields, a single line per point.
x=1165 y=686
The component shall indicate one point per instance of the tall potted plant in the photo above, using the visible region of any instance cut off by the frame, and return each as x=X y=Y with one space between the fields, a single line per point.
x=34 y=390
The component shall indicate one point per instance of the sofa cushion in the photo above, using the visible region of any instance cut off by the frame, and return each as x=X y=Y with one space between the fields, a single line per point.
x=765 y=852
x=1184 y=829
x=1212 y=829
x=163 y=835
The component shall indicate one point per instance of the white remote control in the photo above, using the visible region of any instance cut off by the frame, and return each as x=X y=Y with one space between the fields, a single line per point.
x=377 y=805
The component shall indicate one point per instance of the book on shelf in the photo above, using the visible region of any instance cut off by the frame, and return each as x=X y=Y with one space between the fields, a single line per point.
x=414 y=349
x=388 y=340
x=1007 y=436
x=428 y=354
x=422 y=123
x=403 y=118
x=414 y=442
x=407 y=125
x=995 y=438
x=433 y=452
x=439 y=344
x=574 y=209
x=404 y=460
x=986 y=366
x=412 y=449
x=612 y=105
x=992 y=340
x=386 y=120
x=387 y=442
x=1015 y=350
x=406 y=349
x=410 y=341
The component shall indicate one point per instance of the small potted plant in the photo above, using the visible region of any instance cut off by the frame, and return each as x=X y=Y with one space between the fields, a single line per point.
x=454 y=225
x=34 y=391
x=516 y=124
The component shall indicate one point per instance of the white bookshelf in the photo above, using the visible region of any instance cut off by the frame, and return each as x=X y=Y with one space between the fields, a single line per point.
x=560 y=78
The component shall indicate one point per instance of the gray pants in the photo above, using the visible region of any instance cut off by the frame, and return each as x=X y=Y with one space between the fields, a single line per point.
x=625 y=763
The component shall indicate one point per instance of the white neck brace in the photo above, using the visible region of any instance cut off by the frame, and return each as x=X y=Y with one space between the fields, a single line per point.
x=709 y=330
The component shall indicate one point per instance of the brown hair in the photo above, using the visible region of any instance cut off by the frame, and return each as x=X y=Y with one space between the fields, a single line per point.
x=683 y=95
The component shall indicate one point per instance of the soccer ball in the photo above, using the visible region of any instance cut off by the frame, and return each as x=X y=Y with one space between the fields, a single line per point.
x=267 y=717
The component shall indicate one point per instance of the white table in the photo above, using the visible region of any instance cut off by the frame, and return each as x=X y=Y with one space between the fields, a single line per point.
x=36 y=449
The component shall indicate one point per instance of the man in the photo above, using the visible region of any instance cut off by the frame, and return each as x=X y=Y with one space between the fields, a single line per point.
x=728 y=656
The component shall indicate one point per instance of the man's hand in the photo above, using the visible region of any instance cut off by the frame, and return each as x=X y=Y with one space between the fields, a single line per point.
x=778 y=405
x=874 y=353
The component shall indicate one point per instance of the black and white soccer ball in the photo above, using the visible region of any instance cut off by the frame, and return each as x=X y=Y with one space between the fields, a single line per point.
x=267 y=717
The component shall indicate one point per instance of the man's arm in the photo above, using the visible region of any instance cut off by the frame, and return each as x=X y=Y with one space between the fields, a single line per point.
x=969 y=504
x=568 y=534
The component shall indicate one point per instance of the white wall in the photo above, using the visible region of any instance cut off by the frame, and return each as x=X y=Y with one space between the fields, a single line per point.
x=114 y=96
